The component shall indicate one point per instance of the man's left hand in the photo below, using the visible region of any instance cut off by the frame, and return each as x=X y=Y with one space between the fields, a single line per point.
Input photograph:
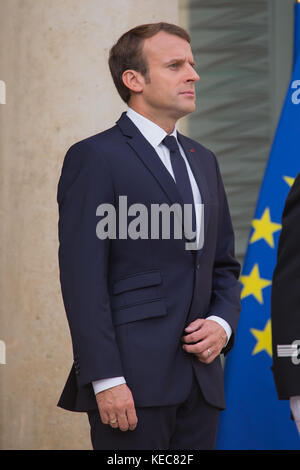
x=209 y=338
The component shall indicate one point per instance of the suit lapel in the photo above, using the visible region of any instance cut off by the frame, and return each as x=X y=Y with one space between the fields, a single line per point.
x=149 y=157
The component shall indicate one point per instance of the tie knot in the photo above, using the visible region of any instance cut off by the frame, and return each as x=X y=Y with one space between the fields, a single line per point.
x=171 y=143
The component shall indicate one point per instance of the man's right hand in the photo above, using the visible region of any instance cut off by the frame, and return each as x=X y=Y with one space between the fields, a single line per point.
x=116 y=407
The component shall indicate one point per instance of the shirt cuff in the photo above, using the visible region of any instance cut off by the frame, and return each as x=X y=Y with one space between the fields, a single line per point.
x=104 y=384
x=223 y=323
x=295 y=408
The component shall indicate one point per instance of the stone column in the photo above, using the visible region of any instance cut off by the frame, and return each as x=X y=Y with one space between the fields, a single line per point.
x=53 y=61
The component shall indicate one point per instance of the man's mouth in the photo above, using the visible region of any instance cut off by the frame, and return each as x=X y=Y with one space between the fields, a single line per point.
x=188 y=93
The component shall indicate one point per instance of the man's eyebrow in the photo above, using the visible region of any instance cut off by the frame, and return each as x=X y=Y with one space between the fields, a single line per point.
x=178 y=60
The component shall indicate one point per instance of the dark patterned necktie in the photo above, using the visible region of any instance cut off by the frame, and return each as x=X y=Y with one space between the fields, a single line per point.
x=181 y=177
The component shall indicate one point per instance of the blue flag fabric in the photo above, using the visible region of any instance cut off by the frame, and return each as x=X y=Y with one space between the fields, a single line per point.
x=254 y=417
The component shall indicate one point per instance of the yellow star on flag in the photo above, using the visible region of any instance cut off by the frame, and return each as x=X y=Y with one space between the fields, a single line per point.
x=254 y=284
x=289 y=180
x=264 y=339
x=264 y=228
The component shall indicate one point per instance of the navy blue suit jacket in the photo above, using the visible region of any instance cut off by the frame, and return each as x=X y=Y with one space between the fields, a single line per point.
x=128 y=301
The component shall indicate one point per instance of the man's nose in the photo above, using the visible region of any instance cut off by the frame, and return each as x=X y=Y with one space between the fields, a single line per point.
x=192 y=74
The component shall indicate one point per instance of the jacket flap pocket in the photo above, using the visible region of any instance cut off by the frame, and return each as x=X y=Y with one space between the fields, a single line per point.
x=136 y=281
x=156 y=308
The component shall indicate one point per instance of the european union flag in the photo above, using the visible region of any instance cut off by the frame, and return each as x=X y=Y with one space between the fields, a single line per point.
x=255 y=418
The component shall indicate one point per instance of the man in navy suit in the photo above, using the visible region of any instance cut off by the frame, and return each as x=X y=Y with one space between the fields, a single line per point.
x=148 y=317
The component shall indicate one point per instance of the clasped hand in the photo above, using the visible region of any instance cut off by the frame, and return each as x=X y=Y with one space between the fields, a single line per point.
x=209 y=338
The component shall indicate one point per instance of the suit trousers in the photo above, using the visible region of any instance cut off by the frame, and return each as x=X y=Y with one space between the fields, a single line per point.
x=191 y=425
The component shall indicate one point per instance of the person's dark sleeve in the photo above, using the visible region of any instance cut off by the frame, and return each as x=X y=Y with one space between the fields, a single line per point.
x=85 y=183
x=285 y=298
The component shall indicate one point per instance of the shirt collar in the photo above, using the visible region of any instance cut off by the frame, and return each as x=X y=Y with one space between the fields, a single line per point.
x=151 y=131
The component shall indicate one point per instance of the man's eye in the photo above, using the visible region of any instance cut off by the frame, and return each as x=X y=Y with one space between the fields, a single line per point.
x=173 y=65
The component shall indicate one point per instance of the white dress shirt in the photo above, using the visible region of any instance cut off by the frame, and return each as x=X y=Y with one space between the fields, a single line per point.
x=155 y=134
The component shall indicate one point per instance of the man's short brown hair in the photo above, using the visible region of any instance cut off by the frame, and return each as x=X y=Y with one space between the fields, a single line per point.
x=127 y=53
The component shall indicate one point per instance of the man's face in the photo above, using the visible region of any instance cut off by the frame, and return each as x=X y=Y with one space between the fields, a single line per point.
x=171 y=90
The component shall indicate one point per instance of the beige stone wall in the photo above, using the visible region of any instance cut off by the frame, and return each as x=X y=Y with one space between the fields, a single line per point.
x=53 y=60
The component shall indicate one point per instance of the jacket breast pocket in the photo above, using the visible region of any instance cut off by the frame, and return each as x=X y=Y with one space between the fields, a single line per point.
x=137 y=297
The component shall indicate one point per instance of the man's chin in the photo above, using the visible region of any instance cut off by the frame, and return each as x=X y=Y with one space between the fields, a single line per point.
x=188 y=109
x=192 y=107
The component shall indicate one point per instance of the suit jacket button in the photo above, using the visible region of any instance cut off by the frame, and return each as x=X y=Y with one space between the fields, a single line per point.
x=198 y=266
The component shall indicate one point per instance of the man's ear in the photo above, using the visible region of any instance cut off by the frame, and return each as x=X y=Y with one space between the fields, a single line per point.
x=133 y=80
